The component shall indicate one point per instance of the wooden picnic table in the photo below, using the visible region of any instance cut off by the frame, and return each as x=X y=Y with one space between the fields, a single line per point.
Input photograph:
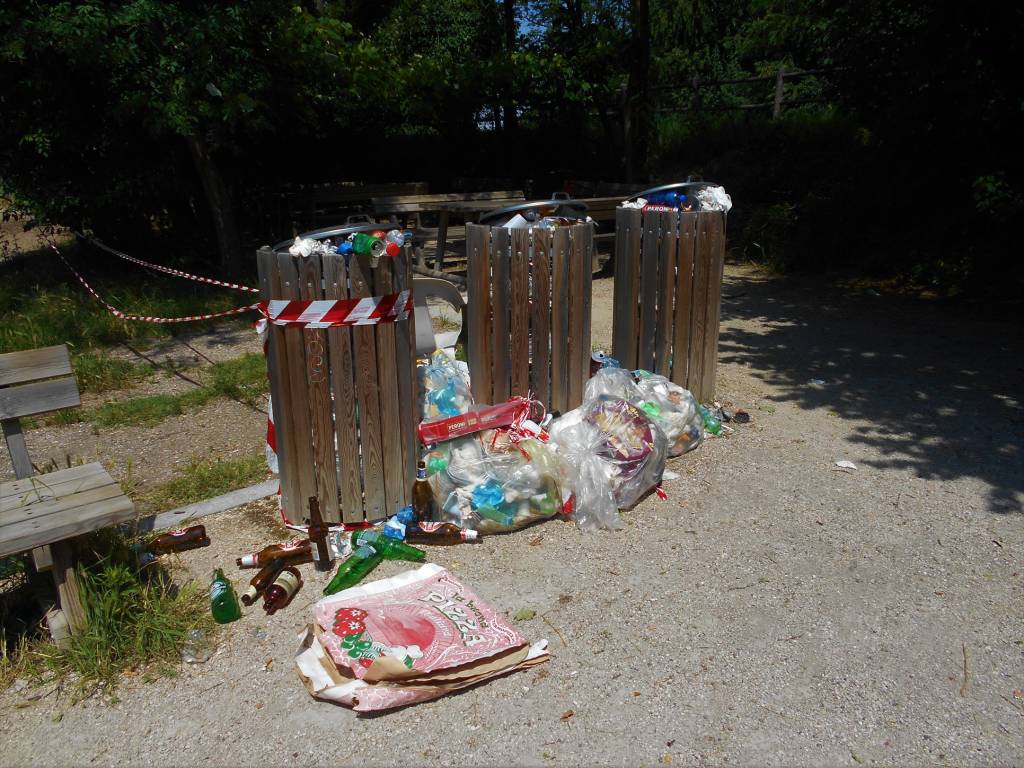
x=469 y=204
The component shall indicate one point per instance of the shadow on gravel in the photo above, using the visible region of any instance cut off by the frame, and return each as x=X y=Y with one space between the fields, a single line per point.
x=940 y=384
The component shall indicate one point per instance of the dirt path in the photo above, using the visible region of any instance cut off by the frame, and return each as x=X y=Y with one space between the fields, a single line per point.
x=773 y=611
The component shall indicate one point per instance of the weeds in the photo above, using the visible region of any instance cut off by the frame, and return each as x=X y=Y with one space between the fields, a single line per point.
x=205 y=479
x=136 y=620
x=100 y=373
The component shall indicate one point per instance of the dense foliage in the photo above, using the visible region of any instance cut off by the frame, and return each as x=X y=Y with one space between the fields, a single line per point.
x=152 y=119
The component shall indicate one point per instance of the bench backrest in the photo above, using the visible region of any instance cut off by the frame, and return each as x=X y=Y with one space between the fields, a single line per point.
x=32 y=382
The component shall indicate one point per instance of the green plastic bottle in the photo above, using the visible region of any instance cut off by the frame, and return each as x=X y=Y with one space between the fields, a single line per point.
x=354 y=568
x=711 y=424
x=223 y=600
x=389 y=548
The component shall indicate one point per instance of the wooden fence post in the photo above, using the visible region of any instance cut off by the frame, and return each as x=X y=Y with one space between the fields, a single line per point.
x=780 y=82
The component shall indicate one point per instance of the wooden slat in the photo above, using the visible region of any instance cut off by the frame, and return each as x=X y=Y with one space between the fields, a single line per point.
x=405 y=367
x=318 y=385
x=587 y=289
x=62 y=477
x=387 y=375
x=500 y=298
x=38 y=397
x=578 y=366
x=98 y=513
x=713 y=301
x=364 y=340
x=280 y=386
x=520 y=306
x=478 y=310
x=628 y=230
x=16 y=447
x=701 y=268
x=295 y=369
x=540 y=316
x=339 y=342
x=47 y=489
x=560 y=319
x=648 y=290
x=34 y=364
x=684 y=297
x=666 y=284
x=93 y=490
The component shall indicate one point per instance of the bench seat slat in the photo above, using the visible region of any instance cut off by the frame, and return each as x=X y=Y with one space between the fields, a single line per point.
x=50 y=497
x=38 y=397
x=52 y=479
x=34 y=533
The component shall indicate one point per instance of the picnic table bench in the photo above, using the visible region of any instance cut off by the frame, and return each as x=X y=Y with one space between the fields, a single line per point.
x=45 y=513
x=469 y=204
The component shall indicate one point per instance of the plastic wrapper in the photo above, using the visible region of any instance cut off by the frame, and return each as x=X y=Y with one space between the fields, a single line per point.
x=672 y=408
x=444 y=390
x=492 y=485
x=714 y=199
x=414 y=637
x=632 y=447
x=613 y=382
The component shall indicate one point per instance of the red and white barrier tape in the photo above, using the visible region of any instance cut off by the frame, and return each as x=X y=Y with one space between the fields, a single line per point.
x=329 y=314
x=148 y=318
x=167 y=270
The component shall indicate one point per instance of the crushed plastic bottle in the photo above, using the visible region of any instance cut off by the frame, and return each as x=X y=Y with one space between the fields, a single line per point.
x=711 y=424
x=196 y=648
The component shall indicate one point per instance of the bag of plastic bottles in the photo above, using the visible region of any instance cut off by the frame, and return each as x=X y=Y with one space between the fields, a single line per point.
x=593 y=503
x=492 y=485
x=672 y=408
x=444 y=391
x=613 y=382
x=631 y=446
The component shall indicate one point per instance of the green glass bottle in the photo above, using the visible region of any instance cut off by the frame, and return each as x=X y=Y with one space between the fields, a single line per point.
x=389 y=548
x=354 y=568
x=711 y=424
x=223 y=600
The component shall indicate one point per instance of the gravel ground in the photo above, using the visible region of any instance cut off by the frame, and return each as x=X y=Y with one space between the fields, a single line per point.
x=775 y=610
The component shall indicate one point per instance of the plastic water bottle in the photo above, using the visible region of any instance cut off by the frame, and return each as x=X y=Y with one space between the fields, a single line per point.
x=196 y=649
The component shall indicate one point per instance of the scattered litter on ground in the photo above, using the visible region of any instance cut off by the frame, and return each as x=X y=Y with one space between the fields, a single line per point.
x=845 y=464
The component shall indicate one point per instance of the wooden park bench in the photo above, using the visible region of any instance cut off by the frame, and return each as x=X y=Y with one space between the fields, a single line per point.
x=45 y=513
x=470 y=205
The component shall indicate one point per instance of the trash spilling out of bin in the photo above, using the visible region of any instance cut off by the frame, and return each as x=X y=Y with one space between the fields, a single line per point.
x=407 y=639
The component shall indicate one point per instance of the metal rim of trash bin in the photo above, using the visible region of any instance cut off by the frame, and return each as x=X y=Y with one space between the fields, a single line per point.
x=673 y=187
x=577 y=205
x=326 y=232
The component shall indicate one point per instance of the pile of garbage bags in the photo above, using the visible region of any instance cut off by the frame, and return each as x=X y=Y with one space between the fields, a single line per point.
x=587 y=464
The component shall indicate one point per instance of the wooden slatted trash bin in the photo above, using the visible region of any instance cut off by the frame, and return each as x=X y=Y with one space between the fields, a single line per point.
x=343 y=396
x=528 y=313
x=668 y=289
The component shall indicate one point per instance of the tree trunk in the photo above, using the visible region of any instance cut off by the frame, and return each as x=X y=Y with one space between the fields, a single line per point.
x=636 y=118
x=508 y=107
x=218 y=199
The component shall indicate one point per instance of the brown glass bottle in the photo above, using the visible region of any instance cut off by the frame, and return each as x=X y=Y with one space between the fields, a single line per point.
x=295 y=553
x=280 y=593
x=424 y=506
x=322 y=558
x=263 y=579
x=439 y=533
x=181 y=540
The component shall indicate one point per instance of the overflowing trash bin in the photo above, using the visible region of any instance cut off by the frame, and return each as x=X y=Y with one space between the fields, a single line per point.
x=669 y=255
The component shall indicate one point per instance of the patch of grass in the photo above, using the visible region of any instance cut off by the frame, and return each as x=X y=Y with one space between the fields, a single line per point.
x=136 y=618
x=147 y=411
x=242 y=378
x=203 y=479
x=96 y=372
x=41 y=304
